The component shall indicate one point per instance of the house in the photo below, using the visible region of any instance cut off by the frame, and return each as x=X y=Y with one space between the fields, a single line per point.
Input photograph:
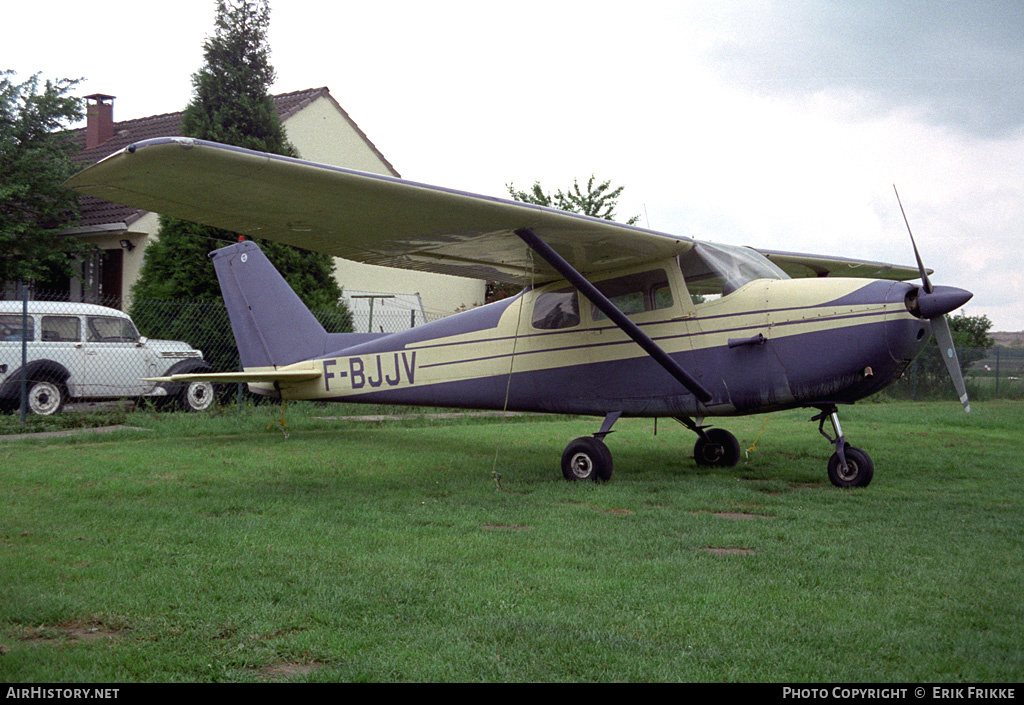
x=320 y=130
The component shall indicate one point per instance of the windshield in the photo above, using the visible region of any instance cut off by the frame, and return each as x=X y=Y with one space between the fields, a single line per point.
x=718 y=270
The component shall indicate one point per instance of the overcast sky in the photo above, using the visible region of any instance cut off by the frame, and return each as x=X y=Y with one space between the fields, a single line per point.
x=778 y=124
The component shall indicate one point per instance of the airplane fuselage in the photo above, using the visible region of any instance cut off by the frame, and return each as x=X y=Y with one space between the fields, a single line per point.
x=772 y=344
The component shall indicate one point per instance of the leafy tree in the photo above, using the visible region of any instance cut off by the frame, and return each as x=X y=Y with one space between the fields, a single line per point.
x=970 y=336
x=598 y=201
x=231 y=104
x=971 y=331
x=34 y=162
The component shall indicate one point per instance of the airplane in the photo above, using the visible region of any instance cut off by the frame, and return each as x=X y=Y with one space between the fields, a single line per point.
x=613 y=320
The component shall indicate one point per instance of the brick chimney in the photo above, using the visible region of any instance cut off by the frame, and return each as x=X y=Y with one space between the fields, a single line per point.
x=99 y=119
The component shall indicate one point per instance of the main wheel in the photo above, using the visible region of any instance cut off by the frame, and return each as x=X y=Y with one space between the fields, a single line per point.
x=587 y=458
x=721 y=449
x=46 y=398
x=859 y=470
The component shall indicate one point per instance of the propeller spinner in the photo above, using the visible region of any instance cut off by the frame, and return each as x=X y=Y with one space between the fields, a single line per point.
x=933 y=303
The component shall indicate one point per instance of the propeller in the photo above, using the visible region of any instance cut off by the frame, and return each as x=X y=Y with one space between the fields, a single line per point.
x=933 y=303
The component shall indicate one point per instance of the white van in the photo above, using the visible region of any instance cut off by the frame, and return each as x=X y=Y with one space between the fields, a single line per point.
x=83 y=351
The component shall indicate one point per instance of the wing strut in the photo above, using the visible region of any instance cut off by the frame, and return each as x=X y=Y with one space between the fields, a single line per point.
x=614 y=314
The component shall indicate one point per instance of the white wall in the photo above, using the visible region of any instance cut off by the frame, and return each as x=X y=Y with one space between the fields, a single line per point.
x=321 y=133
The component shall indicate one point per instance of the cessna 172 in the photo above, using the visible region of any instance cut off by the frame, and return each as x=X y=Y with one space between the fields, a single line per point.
x=613 y=320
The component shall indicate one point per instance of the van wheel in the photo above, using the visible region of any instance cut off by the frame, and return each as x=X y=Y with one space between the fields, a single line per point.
x=46 y=398
x=198 y=396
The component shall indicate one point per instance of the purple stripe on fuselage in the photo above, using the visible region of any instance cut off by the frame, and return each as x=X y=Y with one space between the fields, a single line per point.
x=801 y=370
x=697 y=334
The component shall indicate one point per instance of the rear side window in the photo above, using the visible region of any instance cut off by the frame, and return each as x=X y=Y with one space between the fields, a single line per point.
x=10 y=327
x=636 y=293
x=557 y=309
x=62 y=329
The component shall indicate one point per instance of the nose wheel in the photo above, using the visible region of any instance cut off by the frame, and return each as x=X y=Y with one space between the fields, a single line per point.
x=848 y=466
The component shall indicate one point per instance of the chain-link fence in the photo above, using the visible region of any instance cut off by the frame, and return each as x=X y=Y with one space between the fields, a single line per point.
x=73 y=352
x=989 y=373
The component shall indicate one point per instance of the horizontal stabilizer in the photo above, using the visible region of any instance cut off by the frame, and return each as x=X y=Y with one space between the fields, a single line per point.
x=268 y=376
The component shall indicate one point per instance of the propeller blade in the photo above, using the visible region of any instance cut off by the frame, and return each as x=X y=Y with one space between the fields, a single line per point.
x=943 y=336
x=920 y=264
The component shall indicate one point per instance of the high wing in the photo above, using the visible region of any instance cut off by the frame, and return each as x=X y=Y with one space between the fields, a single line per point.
x=388 y=221
x=798 y=265
x=360 y=216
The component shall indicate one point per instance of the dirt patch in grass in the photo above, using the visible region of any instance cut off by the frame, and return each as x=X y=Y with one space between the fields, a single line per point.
x=604 y=510
x=69 y=631
x=729 y=551
x=287 y=669
x=740 y=515
x=743 y=516
x=615 y=512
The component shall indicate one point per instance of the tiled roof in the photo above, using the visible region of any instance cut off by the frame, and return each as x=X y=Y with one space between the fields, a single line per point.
x=96 y=212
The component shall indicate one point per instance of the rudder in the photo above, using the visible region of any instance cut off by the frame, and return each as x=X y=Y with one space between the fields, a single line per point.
x=271 y=325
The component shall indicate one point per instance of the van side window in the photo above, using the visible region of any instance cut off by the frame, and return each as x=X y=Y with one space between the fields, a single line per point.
x=103 y=329
x=62 y=329
x=10 y=327
x=557 y=309
x=636 y=293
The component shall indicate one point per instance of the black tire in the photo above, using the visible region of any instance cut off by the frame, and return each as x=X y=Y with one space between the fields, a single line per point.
x=860 y=468
x=188 y=396
x=721 y=449
x=587 y=458
x=46 y=397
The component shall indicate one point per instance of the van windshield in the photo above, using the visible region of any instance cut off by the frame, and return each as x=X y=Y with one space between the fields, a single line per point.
x=712 y=271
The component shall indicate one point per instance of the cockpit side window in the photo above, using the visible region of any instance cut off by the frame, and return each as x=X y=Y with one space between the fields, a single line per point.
x=557 y=309
x=713 y=271
x=635 y=293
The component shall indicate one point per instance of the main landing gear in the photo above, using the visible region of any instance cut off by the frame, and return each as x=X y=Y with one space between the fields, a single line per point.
x=848 y=466
x=587 y=457
x=715 y=447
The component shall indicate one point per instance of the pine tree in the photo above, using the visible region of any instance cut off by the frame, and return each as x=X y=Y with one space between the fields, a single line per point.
x=231 y=104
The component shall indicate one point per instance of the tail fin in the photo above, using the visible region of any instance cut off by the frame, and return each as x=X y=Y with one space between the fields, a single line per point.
x=272 y=326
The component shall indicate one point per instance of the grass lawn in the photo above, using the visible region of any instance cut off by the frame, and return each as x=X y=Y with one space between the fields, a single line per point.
x=213 y=548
